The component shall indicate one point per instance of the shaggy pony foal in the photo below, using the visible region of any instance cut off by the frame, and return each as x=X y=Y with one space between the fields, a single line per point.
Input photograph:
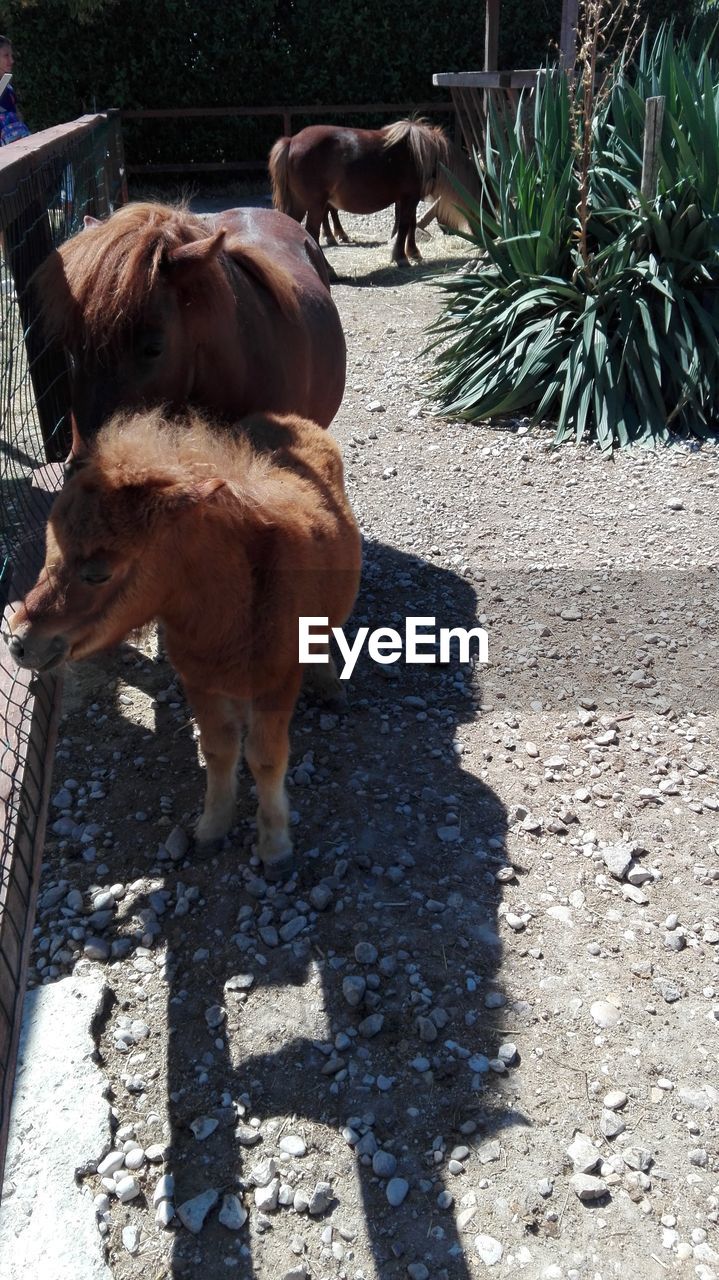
x=227 y=542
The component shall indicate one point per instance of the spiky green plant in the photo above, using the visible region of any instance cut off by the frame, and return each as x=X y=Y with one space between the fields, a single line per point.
x=601 y=313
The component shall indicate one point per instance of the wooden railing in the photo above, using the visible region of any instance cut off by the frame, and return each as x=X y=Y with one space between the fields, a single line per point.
x=284 y=114
x=48 y=181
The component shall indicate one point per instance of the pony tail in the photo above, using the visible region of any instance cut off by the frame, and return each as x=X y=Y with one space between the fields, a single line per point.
x=278 y=164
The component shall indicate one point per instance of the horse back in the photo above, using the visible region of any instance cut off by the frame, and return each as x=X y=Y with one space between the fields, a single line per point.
x=282 y=238
x=290 y=362
x=354 y=169
x=301 y=447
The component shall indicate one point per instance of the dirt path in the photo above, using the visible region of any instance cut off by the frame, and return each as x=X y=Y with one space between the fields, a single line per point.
x=504 y=930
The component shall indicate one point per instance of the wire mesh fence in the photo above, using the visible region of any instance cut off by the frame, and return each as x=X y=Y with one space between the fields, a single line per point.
x=48 y=182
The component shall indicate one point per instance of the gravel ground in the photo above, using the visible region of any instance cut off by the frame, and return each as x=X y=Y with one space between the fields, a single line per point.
x=479 y=1029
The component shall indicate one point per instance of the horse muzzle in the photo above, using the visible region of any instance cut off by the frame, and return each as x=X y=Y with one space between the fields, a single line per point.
x=33 y=652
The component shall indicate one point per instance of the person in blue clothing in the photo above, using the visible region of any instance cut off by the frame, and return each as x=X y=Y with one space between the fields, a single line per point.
x=12 y=125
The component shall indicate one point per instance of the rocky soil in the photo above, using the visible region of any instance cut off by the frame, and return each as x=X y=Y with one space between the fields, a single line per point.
x=478 y=1031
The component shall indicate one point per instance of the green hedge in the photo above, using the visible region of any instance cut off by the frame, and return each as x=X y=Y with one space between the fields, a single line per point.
x=75 y=56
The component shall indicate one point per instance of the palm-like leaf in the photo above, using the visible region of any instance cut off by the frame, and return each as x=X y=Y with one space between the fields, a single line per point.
x=621 y=344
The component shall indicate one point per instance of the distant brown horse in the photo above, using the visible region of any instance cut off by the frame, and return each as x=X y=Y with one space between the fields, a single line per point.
x=226 y=541
x=232 y=314
x=326 y=167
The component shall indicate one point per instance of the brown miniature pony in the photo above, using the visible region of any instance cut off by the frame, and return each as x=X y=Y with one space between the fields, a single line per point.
x=232 y=314
x=326 y=167
x=227 y=542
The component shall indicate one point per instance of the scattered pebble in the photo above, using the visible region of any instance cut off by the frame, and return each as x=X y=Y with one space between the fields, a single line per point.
x=396 y=1191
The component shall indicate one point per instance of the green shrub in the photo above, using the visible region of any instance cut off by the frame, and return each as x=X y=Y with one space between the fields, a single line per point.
x=606 y=322
x=82 y=55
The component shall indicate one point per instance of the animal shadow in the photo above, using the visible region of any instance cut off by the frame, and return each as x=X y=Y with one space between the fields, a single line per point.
x=398 y=847
x=402 y=844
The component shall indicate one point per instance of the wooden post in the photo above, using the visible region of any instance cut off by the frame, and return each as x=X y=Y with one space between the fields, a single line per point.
x=568 y=34
x=428 y=216
x=491 y=35
x=28 y=241
x=653 y=120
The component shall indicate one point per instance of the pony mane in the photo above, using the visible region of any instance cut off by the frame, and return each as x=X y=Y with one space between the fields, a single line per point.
x=428 y=145
x=146 y=450
x=97 y=283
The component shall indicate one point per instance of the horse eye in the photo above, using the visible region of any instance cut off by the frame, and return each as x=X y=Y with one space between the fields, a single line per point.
x=94 y=572
x=151 y=349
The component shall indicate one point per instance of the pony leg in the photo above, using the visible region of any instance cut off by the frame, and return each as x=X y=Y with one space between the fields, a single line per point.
x=340 y=232
x=220 y=724
x=404 y=217
x=267 y=752
x=412 y=250
x=326 y=228
x=323 y=680
x=315 y=217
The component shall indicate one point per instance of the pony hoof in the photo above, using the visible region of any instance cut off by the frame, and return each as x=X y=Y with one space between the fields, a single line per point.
x=401 y=262
x=212 y=829
x=205 y=849
x=280 y=870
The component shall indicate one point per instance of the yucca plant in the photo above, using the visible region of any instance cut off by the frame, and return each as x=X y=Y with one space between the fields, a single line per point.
x=591 y=306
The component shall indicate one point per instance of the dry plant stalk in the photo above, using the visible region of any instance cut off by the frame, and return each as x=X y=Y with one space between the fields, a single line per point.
x=605 y=31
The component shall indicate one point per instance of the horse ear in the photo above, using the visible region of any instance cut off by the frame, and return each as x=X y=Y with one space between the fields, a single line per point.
x=198 y=253
x=88 y=221
x=206 y=488
x=79 y=451
x=178 y=497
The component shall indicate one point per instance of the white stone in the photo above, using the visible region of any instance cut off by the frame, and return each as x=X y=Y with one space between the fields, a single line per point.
x=233 y=1213
x=604 y=1013
x=587 y=1188
x=131 y=1238
x=266 y=1197
x=127 y=1189
x=583 y=1153
x=164 y=1213
x=489 y=1249
x=615 y=1099
x=396 y=1191
x=293 y=1145
x=203 y=1126
x=192 y=1213
x=164 y=1189
x=110 y=1163
x=262 y=1174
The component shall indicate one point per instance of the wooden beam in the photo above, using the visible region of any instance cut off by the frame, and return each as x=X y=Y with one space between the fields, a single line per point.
x=491 y=35
x=653 y=119
x=475 y=79
x=568 y=34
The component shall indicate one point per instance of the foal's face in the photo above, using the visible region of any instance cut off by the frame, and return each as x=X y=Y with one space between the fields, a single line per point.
x=85 y=598
x=153 y=363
